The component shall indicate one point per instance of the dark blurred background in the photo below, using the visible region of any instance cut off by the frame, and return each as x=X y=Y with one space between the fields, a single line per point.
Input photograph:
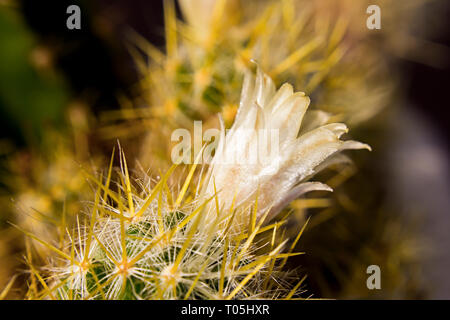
x=90 y=65
x=46 y=68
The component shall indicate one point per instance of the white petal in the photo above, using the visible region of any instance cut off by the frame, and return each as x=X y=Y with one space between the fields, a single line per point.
x=247 y=94
x=289 y=117
x=314 y=119
x=354 y=145
x=264 y=88
x=279 y=98
x=293 y=194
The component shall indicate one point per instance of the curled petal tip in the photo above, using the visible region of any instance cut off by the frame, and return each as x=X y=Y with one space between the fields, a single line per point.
x=355 y=145
x=318 y=186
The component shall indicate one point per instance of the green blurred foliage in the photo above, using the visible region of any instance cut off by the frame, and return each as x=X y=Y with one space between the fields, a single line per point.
x=30 y=100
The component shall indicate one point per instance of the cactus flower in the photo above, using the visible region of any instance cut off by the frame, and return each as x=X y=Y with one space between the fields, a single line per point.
x=294 y=158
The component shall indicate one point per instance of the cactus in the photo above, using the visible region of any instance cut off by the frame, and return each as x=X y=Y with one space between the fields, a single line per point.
x=143 y=242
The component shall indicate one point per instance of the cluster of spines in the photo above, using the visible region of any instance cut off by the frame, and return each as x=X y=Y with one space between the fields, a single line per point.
x=147 y=247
